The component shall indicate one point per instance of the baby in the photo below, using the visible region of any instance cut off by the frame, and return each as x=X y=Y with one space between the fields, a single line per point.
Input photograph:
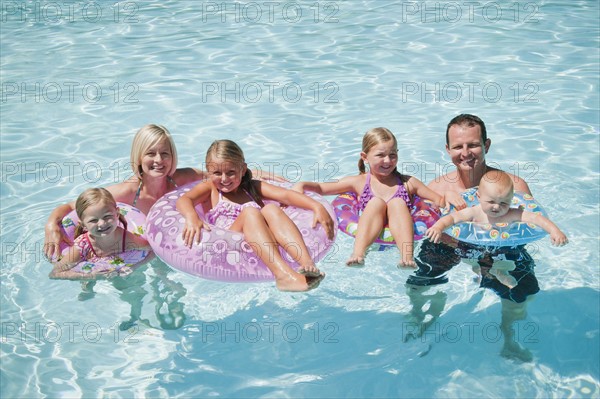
x=495 y=193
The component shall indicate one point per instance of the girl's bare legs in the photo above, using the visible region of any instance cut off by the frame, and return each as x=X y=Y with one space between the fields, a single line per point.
x=289 y=237
x=253 y=225
x=401 y=226
x=370 y=224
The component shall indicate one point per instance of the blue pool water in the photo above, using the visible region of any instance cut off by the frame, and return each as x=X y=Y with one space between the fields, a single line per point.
x=296 y=83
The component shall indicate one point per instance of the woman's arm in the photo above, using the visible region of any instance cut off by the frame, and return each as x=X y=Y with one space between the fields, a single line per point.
x=136 y=242
x=62 y=267
x=188 y=175
x=264 y=175
x=53 y=232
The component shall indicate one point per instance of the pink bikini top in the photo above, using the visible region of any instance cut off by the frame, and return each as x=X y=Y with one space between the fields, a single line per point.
x=225 y=212
x=367 y=194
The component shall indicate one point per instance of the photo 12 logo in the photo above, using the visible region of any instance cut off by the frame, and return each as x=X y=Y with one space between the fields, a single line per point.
x=453 y=12
x=55 y=12
x=254 y=92
x=71 y=92
x=270 y=11
x=470 y=91
x=67 y=332
x=64 y=172
x=269 y=331
x=453 y=332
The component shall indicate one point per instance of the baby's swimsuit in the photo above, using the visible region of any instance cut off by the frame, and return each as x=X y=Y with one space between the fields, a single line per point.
x=87 y=250
x=367 y=194
x=225 y=212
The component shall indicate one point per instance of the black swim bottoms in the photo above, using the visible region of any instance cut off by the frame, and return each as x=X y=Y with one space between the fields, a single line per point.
x=435 y=260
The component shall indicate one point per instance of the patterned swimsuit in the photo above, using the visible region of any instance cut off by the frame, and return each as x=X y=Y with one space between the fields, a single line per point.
x=87 y=250
x=367 y=194
x=226 y=212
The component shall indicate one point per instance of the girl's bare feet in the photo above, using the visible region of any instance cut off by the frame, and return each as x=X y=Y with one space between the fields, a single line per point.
x=407 y=259
x=299 y=283
x=356 y=260
x=309 y=270
x=407 y=263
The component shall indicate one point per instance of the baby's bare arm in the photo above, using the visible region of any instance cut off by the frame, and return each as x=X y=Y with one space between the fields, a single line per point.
x=557 y=237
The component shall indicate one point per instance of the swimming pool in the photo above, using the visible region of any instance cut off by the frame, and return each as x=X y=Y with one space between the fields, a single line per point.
x=296 y=84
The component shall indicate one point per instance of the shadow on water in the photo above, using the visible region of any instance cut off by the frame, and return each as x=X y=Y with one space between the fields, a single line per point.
x=316 y=350
x=150 y=279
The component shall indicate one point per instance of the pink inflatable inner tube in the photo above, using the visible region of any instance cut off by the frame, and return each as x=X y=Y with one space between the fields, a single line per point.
x=223 y=255
x=424 y=214
x=116 y=265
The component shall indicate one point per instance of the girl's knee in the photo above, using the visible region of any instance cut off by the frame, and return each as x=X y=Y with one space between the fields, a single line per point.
x=251 y=213
x=375 y=204
x=271 y=210
x=397 y=203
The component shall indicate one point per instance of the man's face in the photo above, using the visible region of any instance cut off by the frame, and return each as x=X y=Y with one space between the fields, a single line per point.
x=466 y=148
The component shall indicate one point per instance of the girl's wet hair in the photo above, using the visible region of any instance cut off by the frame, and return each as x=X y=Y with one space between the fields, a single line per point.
x=228 y=150
x=145 y=138
x=376 y=136
x=90 y=197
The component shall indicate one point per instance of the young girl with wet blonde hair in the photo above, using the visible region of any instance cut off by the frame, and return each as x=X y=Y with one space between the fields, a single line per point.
x=101 y=232
x=154 y=165
x=384 y=195
x=153 y=160
x=236 y=203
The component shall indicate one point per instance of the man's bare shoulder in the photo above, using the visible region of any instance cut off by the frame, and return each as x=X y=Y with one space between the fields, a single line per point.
x=519 y=184
x=443 y=183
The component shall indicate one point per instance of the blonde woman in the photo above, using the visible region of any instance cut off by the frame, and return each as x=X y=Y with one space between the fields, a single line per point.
x=155 y=173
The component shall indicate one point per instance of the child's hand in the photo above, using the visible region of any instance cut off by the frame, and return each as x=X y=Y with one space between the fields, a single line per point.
x=455 y=199
x=434 y=234
x=193 y=229
x=322 y=216
x=558 y=238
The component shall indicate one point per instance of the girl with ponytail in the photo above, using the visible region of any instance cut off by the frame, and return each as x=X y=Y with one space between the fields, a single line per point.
x=384 y=196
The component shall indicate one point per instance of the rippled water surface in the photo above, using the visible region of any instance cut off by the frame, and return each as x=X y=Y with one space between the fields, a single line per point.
x=296 y=84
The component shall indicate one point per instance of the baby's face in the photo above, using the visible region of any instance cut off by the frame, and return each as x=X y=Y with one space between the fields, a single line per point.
x=495 y=200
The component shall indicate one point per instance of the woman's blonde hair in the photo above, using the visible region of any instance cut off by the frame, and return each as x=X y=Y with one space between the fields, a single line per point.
x=228 y=150
x=90 y=197
x=147 y=137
